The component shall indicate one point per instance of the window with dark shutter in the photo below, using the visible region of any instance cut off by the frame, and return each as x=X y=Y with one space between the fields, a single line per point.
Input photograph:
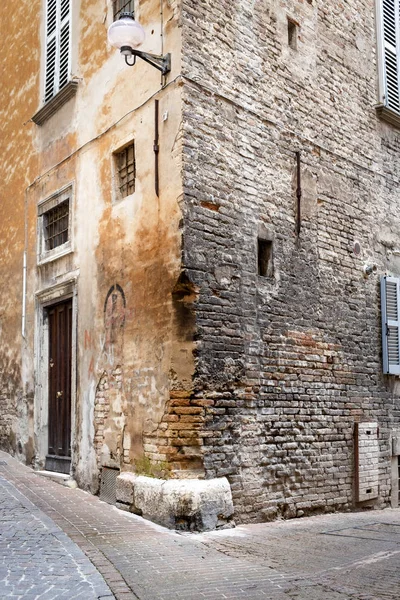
x=58 y=46
x=390 y=305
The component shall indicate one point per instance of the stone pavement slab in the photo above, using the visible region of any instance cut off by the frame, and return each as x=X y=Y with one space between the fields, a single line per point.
x=37 y=559
x=354 y=556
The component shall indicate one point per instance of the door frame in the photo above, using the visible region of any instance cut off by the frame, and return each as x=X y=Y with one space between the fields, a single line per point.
x=43 y=300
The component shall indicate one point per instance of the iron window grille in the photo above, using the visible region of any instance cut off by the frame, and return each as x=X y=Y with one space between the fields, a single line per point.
x=120 y=6
x=56 y=226
x=126 y=167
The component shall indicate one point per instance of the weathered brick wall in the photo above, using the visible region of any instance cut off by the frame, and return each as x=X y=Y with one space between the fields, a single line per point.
x=288 y=363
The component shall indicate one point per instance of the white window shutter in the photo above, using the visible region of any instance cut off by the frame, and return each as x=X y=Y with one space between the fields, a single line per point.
x=51 y=60
x=390 y=304
x=58 y=46
x=391 y=52
x=64 y=55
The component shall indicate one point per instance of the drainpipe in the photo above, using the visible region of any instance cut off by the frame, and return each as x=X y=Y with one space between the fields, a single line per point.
x=24 y=296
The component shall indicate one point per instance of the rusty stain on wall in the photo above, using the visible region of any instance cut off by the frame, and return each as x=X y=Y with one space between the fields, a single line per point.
x=125 y=255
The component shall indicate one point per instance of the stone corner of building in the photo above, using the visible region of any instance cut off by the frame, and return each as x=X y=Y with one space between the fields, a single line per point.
x=182 y=504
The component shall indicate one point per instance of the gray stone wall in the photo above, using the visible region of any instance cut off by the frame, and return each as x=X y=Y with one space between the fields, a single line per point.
x=286 y=364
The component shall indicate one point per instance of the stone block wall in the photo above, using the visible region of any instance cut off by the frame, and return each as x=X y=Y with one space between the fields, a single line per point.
x=288 y=362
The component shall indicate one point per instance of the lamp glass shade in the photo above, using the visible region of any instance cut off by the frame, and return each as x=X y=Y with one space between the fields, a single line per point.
x=126 y=32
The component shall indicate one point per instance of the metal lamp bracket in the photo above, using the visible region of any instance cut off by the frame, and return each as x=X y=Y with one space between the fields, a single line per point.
x=162 y=63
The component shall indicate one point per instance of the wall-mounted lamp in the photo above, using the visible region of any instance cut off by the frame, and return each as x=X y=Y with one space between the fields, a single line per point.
x=369 y=269
x=126 y=34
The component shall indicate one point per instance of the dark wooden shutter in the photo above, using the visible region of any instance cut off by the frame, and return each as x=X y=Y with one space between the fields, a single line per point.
x=390 y=305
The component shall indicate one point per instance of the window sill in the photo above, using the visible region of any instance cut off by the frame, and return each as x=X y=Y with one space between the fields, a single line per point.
x=53 y=105
x=387 y=114
x=52 y=255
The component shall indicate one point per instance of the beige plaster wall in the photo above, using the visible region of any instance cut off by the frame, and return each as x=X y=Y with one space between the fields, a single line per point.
x=133 y=243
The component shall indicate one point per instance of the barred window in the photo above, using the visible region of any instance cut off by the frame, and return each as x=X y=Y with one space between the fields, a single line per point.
x=121 y=6
x=126 y=170
x=56 y=225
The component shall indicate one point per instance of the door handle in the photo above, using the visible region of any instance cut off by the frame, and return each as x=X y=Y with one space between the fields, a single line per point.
x=59 y=394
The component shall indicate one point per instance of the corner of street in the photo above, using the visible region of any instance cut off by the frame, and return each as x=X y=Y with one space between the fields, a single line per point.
x=58 y=542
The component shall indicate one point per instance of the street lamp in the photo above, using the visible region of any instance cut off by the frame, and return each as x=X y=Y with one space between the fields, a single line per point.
x=126 y=34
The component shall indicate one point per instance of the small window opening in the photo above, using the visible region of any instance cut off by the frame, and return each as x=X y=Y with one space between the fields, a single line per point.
x=265 y=258
x=292 y=34
x=120 y=6
x=56 y=225
x=126 y=167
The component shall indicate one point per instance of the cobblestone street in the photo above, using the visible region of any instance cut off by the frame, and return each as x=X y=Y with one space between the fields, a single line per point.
x=37 y=559
x=47 y=529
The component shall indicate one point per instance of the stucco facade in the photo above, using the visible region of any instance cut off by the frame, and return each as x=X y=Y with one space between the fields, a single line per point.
x=123 y=351
x=188 y=360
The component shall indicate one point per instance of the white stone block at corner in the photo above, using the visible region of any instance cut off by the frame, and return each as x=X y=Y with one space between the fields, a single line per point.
x=195 y=504
x=125 y=487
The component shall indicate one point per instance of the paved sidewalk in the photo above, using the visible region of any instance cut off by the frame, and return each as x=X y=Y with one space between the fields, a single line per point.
x=38 y=560
x=335 y=557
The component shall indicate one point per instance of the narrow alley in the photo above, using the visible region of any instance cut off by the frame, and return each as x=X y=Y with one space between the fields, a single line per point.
x=58 y=542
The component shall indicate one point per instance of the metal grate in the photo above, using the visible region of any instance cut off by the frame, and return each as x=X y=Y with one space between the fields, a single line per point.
x=120 y=6
x=126 y=170
x=56 y=225
x=108 y=484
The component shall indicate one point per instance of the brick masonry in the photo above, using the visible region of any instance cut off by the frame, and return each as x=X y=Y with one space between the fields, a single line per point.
x=207 y=365
x=287 y=364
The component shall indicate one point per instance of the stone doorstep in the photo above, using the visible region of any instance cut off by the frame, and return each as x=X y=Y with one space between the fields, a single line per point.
x=61 y=478
x=182 y=504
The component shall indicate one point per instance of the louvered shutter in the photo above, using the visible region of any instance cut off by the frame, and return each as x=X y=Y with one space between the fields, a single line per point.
x=58 y=46
x=391 y=52
x=390 y=304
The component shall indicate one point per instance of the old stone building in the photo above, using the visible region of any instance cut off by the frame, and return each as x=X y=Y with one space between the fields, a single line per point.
x=200 y=269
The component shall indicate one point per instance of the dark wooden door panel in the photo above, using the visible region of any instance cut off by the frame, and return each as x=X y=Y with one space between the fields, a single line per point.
x=60 y=349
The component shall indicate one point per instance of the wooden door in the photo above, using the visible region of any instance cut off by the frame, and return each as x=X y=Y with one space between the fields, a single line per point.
x=60 y=350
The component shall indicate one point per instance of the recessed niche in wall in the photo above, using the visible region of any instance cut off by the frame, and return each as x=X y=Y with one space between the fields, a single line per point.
x=292 y=34
x=265 y=258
